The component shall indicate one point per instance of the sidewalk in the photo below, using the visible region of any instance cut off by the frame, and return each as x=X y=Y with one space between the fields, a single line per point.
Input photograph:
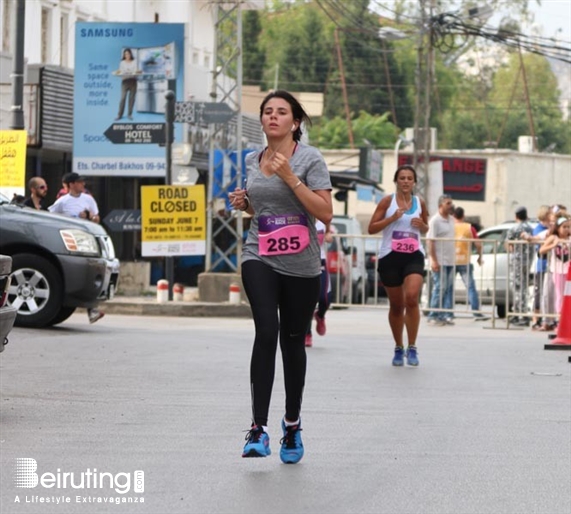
x=149 y=306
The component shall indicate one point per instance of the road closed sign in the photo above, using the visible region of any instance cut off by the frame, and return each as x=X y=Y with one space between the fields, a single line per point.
x=173 y=221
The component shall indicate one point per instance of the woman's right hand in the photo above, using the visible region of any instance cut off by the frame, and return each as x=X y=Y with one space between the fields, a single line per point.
x=238 y=199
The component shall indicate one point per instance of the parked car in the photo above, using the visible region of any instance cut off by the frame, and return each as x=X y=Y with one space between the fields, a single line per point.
x=490 y=289
x=58 y=264
x=350 y=226
x=7 y=312
x=372 y=246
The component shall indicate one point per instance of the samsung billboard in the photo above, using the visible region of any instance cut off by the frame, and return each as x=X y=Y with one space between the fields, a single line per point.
x=122 y=72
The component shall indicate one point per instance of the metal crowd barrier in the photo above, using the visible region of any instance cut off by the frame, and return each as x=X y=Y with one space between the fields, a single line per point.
x=507 y=280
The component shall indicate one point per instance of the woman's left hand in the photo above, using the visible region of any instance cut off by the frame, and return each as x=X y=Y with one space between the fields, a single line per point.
x=417 y=223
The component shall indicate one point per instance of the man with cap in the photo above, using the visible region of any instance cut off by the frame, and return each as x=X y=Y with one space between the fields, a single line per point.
x=520 y=257
x=78 y=204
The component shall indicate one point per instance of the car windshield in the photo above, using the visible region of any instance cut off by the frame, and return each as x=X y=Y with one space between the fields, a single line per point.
x=491 y=242
x=3 y=199
x=341 y=228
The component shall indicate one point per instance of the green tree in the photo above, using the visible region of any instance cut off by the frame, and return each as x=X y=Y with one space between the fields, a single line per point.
x=253 y=58
x=296 y=44
x=334 y=133
x=509 y=101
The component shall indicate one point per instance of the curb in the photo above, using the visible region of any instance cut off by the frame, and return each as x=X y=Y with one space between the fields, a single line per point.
x=178 y=309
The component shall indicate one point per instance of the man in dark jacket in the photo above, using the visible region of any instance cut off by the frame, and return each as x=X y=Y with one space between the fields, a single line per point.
x=38 y=191
x=520 y=257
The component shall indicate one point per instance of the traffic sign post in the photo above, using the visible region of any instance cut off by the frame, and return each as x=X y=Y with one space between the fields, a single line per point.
x=169 y=135
x=203 y=113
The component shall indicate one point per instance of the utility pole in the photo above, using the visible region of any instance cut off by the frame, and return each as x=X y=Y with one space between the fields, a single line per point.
x=423 y=85
x=18 y=67
x=344 y=89
x=527 y=101
x=276 y=76
x=169 y=136
x=428 y=82
x=418 y=84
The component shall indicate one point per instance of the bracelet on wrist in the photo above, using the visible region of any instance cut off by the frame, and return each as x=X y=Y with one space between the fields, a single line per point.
x=297 y=184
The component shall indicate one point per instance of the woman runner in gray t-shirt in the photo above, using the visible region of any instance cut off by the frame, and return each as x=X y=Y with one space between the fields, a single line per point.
x=287 y=187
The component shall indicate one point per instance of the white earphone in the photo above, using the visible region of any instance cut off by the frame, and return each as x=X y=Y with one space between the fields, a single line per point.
x=293 y=129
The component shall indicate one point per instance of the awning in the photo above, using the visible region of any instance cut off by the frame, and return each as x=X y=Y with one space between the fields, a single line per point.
x=349 y=180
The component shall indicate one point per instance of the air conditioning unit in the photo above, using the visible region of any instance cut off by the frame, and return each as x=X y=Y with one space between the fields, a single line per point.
x=420 y=140
x=525 y=144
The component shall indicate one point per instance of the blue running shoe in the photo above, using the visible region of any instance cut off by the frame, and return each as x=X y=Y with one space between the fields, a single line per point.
x=258 y=443
x=398 y=359
x=291 y=451
x=411 y=356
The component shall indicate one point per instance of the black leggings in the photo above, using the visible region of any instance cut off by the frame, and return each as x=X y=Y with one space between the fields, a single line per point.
x=295 y=298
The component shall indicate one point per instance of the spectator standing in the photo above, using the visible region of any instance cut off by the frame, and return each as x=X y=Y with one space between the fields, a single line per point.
x=557 y=246
x=38 y=191
x=441 y=250
x=324 y=236
x=64 y=189
x=538 y=236
x=464 y=266
x=520 y=254
x=77 y=204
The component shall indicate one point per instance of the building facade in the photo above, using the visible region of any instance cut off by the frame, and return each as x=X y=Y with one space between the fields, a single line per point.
x=50 y=48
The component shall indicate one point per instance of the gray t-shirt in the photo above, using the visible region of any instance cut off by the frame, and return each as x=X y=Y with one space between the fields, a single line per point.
x=439 y=227
x=271 y=197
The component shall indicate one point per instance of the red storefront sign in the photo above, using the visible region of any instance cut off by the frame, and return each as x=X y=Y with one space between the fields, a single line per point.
x=464 y=178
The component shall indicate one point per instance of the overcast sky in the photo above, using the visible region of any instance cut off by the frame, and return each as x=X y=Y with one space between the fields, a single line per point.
x=552 y=16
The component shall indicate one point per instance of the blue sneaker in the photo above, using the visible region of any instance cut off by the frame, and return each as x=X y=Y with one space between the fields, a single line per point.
x=398 y=359
x=411 y=356
x=258 y=443
x=291 y=451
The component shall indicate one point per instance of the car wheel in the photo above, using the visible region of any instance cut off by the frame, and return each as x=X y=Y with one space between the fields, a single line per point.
x=36 y=290
x=62 y=315
x=501 y=310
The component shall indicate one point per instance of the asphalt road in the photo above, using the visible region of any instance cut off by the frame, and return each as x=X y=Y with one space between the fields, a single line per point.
x=482 y=426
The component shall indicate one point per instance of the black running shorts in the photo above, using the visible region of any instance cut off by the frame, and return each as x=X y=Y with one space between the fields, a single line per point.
x=395 y=266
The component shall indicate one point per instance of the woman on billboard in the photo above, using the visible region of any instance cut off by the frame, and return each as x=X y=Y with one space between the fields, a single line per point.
x=128 y=72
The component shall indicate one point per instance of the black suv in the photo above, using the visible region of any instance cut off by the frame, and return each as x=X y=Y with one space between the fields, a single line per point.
x=58 y=264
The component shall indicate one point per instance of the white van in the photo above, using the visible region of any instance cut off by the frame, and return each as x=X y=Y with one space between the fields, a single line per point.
x=355 y=240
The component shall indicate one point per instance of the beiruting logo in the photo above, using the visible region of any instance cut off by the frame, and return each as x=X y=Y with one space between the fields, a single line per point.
x=26 y=476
